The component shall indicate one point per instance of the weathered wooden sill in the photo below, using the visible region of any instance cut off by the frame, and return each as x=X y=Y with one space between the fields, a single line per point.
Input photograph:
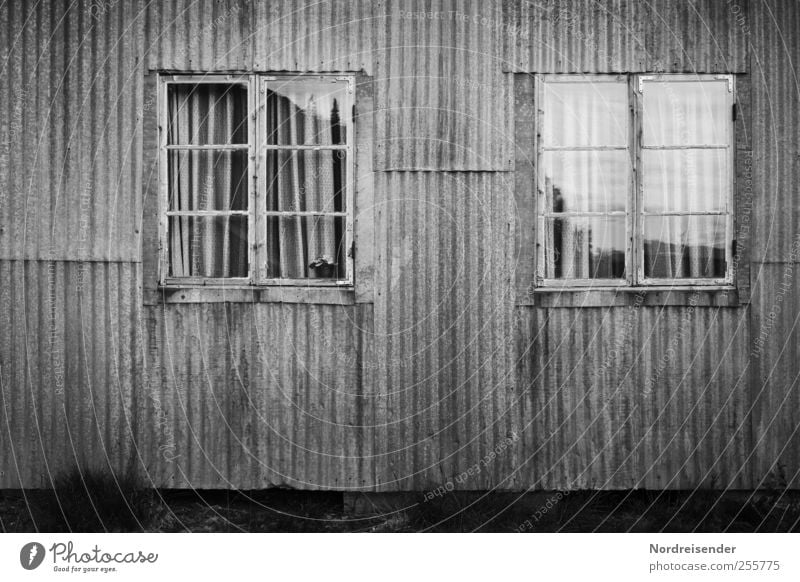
x=631 y=296
x=248 y=294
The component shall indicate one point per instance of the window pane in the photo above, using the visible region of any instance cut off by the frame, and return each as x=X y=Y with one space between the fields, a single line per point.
x=686 y=113
x=306 y=113
x=301 y=181
x=585 y=114
x=306 y=247
x=207 y=113
x=587 y=181
x=582 y=248
x=208 y=246
x=684 y=246
x=685 y=180
x=207 y=180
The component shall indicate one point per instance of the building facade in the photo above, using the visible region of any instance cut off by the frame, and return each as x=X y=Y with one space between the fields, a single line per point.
x=443 y=357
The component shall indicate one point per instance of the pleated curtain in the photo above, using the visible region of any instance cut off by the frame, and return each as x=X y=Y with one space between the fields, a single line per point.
x=301 y=181
x=208 y=180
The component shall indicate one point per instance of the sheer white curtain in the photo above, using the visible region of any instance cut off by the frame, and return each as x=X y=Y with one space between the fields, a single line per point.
x=208 y=180
x=686 y=177
x=303 y=181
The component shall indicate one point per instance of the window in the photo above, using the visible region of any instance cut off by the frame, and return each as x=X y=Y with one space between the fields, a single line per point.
x=635 y=180
x=256 y=180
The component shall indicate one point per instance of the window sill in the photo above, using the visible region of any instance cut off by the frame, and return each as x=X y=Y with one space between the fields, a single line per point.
x=722 y=296
x=247 y=294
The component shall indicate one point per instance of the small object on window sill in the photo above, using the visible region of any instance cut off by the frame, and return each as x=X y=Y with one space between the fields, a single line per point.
x=323 y=267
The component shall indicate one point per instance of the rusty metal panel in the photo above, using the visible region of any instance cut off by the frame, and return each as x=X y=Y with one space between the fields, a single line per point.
x=775 y=359
x=776 y=128
x=70 y=363
x=443 y=312
x=574 y=36
x=442 y=100
x=634 y=397
x=258 y=395
x=71 y=103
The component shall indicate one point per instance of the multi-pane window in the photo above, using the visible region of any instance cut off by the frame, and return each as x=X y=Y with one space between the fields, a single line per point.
x=256 y=176
x=635 y=180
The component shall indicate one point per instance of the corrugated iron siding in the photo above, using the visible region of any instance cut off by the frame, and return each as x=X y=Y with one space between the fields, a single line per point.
x=776 y=129
x=252 y=396
x=612 y=36
x=281 y=35
x=69 y=147
x=550 y=36
x=441 y=98
x=70 y=365
x=776 y=245
x=443 y=309
x=634 y=397
x=775 y=358
x=703 y=36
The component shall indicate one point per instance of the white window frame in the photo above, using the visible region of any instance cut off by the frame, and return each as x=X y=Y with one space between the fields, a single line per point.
x=257 y=149
x=634 y=214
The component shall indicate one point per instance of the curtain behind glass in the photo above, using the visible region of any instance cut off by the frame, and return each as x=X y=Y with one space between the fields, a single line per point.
x=208 y=180
x=685 y=178
x=304 y=181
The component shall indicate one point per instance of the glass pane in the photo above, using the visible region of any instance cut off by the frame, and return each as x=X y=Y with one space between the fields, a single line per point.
x=301 y=181
x=586 y=114
x=208 y=246
x=307 y=113
x=686 y=113
x=582 y=248
x=207 y=113
x=684 y=246
x=207 y=180
x=306 y=247
x=685 y=180
x=587 y=181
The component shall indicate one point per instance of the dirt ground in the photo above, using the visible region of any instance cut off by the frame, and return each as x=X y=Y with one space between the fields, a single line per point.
x=295 y=511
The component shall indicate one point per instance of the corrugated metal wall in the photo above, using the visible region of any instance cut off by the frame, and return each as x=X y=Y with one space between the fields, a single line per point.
x=775 y=354
x=634 y=397
x=71 y=103
x=442 y=371
x=443 y=308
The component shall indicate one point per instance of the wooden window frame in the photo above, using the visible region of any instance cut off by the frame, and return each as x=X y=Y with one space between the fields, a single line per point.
x=257 y=149
x=634 y=214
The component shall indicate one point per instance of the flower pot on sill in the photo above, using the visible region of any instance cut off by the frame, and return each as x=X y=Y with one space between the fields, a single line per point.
x=323 y=271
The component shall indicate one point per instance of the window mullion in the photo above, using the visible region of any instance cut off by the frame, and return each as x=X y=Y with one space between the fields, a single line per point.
x=636 y=222
x=258 y=272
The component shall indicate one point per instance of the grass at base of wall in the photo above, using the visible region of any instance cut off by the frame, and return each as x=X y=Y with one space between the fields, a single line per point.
x=126 y=506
